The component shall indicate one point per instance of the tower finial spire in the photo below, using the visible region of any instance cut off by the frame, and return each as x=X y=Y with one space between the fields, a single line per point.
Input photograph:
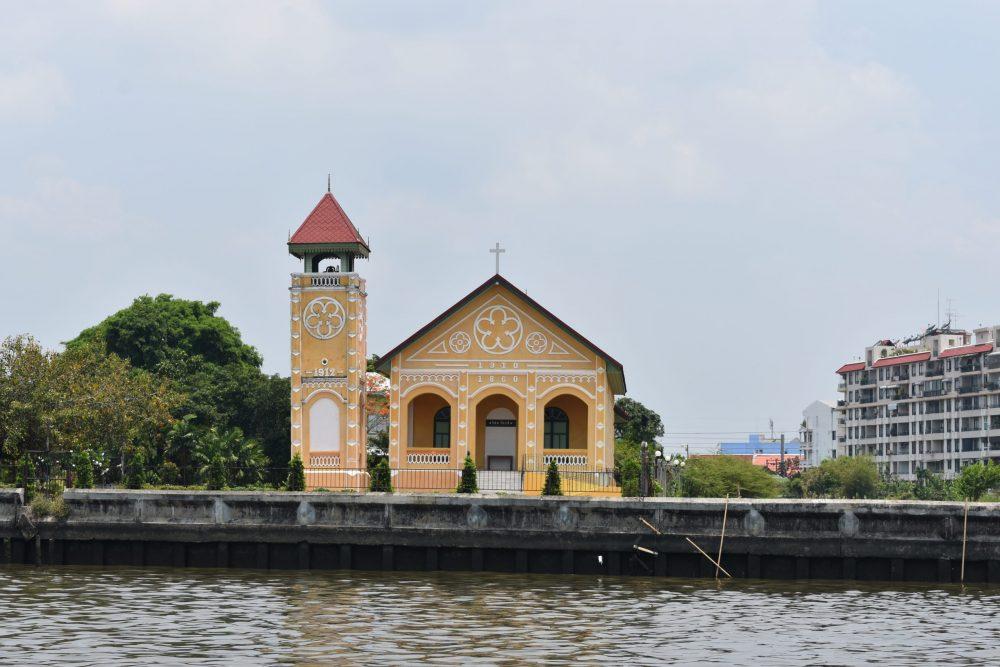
x=328 y=182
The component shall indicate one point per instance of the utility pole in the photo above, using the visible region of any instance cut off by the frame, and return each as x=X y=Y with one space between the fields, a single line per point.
x=781 y=464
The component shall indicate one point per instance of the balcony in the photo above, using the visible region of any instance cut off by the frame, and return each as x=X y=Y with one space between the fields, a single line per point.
x=969 y=388
x=993 y=361
x=934 y=372
x=933 y=392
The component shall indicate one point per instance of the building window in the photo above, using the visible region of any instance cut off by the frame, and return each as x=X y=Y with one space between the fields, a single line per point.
x=442 y=428
x=556 y=429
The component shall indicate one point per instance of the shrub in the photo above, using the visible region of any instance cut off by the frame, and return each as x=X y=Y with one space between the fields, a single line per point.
x=46 y=506
x=717 y=476
x=932 y=487
x=135 y=476
x=169 y=473
x=381 y=477
x=216 y=478
x=976 y=479
x=553 y=485
x=468 y=483
x=296 y=474
x=844 y=477
x=84 y=466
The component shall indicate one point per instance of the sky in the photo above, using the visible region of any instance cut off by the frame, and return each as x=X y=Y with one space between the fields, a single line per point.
x=732 y=199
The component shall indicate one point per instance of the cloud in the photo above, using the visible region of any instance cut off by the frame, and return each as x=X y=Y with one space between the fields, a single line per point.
x=60 y=208
x=33 y=93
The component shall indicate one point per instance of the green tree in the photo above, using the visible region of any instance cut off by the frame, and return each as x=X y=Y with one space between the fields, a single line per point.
x=468 y=483
x=976 y=480
x=24 y=366
x=216 y=478
x=26 y=476
x=718 y=476
x=135 y=469
x=553 y=485
x=296 y=475
x=204 y=357
x=628 y=465
x=381 y=477
x=241 y=458
x=640 y=423
x=84 y=469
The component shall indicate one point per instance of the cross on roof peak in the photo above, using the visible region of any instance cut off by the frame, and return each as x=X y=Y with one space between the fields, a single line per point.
x=497 y=250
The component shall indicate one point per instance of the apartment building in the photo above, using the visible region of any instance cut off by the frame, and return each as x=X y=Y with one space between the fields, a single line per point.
x=931 y=401
x=819 y=432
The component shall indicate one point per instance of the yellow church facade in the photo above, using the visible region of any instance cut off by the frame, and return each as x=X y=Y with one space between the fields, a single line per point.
x=500 y=378
x=496 y=377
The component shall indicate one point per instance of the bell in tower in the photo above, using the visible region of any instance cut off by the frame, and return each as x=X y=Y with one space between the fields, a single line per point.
x=329 y=350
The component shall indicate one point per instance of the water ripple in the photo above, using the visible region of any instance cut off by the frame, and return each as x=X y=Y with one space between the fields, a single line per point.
x=83 y=616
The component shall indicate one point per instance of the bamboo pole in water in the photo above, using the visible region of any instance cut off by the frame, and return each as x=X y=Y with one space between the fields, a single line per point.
x=965 y=534
x=650 y=526
x=710 y=559
x=722 y=537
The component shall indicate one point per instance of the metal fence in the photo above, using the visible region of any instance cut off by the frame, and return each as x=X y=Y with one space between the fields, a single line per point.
x=52 y=469
x=446 y=480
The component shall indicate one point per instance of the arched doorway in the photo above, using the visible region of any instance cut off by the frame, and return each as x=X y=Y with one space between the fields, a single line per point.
x=500 y=445
x=497 y=433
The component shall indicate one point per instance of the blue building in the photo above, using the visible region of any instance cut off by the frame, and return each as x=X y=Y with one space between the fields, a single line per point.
x=755 y=444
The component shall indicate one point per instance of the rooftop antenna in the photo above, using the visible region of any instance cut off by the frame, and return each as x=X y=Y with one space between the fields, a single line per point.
x=328 y=182
x=771 y=421
x=939 y=308
x=951 y=313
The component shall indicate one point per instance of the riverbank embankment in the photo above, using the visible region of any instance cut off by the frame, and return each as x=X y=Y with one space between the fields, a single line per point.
x=779 y=539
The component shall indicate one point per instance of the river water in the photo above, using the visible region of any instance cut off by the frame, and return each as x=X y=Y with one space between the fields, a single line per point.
x=76 y=615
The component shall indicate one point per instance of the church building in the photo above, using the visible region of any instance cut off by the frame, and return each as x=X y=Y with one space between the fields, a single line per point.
x=496 y=376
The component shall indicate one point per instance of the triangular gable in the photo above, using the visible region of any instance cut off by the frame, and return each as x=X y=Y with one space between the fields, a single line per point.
x=536 y=342
x=561 y=341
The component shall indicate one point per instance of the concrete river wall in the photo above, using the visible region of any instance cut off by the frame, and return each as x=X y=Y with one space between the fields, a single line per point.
x=785 y=539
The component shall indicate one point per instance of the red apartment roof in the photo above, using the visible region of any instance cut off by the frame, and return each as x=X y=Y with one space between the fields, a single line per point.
x=902 y=359
x=327 y=224
x=967 y=349
x=847 y=368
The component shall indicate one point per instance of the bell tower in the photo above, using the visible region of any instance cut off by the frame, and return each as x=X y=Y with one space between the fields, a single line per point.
x=329 y=351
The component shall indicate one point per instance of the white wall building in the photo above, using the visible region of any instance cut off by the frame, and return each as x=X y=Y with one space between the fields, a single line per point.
x=932 y=401
x=818 y=433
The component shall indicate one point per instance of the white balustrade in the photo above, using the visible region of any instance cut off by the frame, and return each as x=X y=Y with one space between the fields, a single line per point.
x=566 y=459
x=324 y=461
x=435 y=459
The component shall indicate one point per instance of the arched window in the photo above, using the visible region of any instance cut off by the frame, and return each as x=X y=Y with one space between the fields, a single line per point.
x=556 y=429
x=442 y=428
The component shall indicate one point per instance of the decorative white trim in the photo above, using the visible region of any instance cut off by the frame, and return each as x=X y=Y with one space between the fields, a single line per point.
x=497 y=337
x=324 y=317
x=440 y=386
x=324 y=390
x=554 y=387
x=495 y=385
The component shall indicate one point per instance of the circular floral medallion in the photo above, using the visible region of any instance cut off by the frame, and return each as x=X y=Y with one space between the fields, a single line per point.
x=324 y=317
x=498 y=329
x=460 y=342
x=536 y=342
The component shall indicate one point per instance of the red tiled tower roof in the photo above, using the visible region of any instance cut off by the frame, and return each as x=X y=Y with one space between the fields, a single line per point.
x=327 y=224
